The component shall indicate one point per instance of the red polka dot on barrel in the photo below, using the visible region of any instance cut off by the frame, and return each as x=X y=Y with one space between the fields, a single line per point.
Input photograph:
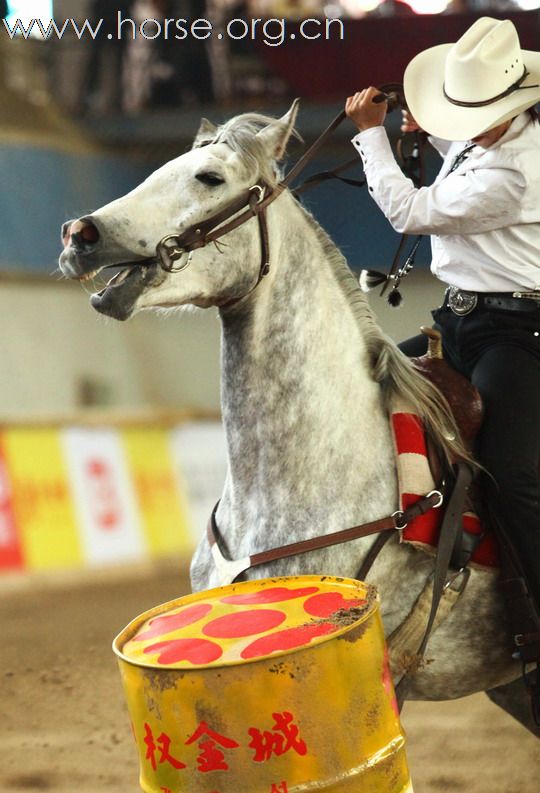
x=159 y=626
x=327 y=603
x=196 y=651
x=244 y=623
x=271 y=595
x=288 y=639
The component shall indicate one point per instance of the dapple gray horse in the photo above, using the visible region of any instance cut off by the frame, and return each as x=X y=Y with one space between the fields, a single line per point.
x=307 y=376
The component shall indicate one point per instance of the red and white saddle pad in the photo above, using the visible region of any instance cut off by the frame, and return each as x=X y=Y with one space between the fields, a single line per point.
x=415 y=480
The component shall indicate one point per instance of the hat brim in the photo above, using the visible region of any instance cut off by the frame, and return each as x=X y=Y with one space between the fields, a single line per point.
x=423 y=83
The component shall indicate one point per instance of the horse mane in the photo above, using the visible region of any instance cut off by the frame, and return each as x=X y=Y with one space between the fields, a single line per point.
x=389 y=366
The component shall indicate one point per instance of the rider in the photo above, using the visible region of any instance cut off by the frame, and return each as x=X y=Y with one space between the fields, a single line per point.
x=475 y=99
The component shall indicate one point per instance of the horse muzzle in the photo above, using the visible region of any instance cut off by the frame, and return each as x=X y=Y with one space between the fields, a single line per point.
x=90 y=248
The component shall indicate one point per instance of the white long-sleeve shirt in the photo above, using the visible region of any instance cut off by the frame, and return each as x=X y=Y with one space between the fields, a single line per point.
x=483 y=218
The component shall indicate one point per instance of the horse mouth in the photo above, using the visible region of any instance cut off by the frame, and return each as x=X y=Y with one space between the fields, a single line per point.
x=118 y=297
x=118 y=278
x=123 y=271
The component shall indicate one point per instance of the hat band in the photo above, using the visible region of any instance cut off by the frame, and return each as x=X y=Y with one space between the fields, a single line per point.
x=510 y=90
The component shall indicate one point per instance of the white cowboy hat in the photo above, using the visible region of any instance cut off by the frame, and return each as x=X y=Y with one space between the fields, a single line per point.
x=457 y=91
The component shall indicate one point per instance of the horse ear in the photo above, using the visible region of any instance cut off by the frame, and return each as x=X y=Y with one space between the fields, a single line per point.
x=206 y=133
x=276 y=136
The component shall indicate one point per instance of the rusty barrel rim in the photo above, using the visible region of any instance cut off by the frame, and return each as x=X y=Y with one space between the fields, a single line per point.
x=368 y=592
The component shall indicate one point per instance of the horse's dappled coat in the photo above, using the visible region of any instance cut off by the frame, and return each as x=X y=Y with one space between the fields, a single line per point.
x=307 y=380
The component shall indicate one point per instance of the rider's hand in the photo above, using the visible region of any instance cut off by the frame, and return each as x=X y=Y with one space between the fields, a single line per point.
x=363 y=111
x=408 y=124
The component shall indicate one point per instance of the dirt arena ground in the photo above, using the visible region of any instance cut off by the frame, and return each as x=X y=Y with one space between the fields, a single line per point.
x=64 y=728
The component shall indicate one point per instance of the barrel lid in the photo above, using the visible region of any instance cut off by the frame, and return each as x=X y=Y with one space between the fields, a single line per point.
x=245 y=622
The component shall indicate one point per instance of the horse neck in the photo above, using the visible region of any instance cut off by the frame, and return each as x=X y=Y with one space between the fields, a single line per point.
x=303 y=418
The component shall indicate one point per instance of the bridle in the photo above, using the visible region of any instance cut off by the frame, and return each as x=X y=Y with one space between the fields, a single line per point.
x=252 y=202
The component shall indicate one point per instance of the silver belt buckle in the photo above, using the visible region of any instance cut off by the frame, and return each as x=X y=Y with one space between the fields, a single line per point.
x=461 y=302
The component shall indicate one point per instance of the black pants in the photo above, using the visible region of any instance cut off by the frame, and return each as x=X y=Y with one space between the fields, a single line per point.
x=499 y=352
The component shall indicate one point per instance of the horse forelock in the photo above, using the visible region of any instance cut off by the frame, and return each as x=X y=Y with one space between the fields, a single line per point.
x=241 y=135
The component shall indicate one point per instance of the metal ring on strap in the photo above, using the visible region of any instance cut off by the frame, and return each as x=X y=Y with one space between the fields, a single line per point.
x=169 y=251
x=440 y=500
x=260 y=191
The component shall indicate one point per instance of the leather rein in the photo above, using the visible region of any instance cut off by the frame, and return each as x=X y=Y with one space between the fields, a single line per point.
x=254 y=201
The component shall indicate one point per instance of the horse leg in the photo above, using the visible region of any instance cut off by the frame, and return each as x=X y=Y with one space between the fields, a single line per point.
x=513 y=698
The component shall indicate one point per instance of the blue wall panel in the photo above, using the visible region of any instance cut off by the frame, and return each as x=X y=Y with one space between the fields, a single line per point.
x=41 y=188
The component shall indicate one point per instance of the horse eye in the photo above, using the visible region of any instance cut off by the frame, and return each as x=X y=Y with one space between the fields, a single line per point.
x=210 y=179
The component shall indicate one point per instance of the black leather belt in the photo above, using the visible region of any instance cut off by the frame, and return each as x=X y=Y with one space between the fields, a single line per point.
x=461 y=302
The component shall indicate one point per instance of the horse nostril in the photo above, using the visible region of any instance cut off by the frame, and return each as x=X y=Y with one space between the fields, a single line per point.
x=89 y=233
x=82 y=234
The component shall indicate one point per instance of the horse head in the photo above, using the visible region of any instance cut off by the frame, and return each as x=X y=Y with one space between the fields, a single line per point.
x=183 y=196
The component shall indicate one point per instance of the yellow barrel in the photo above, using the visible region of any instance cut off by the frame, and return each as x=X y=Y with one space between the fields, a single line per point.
x=273 y=686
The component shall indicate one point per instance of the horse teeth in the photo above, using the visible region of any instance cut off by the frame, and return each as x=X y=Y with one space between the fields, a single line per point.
x=88 y=276
x=120 y=277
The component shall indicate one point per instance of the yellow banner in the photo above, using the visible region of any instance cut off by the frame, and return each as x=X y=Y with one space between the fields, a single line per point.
x=163 y=507
x=41 y=498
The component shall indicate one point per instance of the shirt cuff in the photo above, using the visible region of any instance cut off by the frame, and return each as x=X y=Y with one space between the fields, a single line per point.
x=372 y=140
x=366 y=134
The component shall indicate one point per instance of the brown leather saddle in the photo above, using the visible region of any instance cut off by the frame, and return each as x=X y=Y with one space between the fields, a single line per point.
x=467 y=408
x=462 y=396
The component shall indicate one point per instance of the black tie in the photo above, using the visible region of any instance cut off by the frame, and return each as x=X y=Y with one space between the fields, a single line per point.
x=459 y=158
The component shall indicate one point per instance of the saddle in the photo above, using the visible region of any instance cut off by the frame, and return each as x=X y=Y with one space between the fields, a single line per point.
x=522 y=616
x=462 y=396
x=467 y=408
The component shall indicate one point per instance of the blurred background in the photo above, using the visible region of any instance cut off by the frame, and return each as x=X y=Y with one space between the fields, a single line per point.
x=111 y=448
